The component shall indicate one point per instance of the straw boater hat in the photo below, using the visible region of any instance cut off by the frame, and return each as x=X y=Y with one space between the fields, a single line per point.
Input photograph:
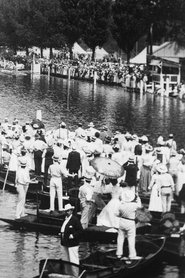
x=55 y=158
x=63 y=124
x=68 y=207
x=161 y=168
x=91 y=124
x=148 y=147
x=144 y=138
x=23 y=161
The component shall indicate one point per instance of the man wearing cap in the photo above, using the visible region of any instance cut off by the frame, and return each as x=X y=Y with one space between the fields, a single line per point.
x=73 y=165
x=22 y=181
x=127 y=214
x=90 y=131
x=166 y=186
x=61 y=132
x=171 y=142
x=70 y=232
x=79 y=131
x=56 y=172
x=38 y=148
x=131 y=171
x=85 y=196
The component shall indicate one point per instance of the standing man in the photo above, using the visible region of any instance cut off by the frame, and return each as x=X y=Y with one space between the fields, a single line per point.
x=38 y=148
x=22 y=181
x=70 y=232
x=56 y=172
x=73 y=165
x=87 y=203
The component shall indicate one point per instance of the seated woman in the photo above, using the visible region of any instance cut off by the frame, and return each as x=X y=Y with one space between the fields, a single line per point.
x=107 y=216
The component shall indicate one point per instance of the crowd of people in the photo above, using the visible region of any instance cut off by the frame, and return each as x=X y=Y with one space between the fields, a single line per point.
x=53 y=154
x=104 y=72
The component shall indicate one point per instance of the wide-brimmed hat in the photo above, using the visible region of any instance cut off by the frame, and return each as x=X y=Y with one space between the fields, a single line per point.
x=148 y=148
x=91 y=124
x=35 y=126
x=68 y=207
x=62 y=124
x=144 y=138
x=173 y=152
x=23 y=161
x=161 y=168
x=55 y=158
x=158 y=150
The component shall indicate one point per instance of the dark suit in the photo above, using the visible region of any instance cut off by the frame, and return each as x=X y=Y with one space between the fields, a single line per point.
x=73 y=165
x=74 y=228
x=70 y=240
x=131 y=173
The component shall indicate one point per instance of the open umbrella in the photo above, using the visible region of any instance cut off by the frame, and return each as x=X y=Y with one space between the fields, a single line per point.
x=107 y=167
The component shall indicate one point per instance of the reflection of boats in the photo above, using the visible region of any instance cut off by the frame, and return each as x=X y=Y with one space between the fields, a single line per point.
x=14 y=72
x=102 y=262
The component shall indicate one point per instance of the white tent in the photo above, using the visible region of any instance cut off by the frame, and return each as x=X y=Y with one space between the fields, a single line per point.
x=141 y=57
x=77 y=49
x=100 y=53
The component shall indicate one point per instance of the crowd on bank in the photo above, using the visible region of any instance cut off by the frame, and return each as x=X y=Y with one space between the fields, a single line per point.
x=104 y=72
x=158 y=169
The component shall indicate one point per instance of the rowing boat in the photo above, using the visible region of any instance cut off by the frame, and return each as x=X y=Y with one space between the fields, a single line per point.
x=104 y=263
x=50 y=223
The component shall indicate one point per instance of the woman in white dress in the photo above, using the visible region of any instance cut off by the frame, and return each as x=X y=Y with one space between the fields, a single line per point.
x=107 y=216
x=155 y=203
x=180 y=176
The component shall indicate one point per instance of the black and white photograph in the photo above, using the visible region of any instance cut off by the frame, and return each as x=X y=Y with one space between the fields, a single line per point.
x=92 y=138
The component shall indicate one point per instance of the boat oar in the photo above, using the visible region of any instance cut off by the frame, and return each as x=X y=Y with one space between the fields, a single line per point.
x=43 y=268
x=5 y=180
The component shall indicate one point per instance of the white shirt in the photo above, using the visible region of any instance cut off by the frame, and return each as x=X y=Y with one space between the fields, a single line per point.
x=65 y=223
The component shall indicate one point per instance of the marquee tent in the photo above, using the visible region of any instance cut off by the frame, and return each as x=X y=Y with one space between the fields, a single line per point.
x=141 y=57
x=77 y=49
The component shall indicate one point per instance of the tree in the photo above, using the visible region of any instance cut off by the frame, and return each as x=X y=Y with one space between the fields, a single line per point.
x=129 y=23
x=44 y=23
x=69 y=22
x=10 y=22
x=95 y=22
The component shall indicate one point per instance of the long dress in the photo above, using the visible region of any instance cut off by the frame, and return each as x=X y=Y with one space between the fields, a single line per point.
x=155 y=203
x=180 y=177
x=107 y=216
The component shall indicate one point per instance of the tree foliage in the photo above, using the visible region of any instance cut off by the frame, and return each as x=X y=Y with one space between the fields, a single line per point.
x=46 y=23
x=129 y=23
x=95 y=21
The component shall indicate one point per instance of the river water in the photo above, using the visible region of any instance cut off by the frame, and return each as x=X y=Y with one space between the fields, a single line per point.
x=73 y=102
